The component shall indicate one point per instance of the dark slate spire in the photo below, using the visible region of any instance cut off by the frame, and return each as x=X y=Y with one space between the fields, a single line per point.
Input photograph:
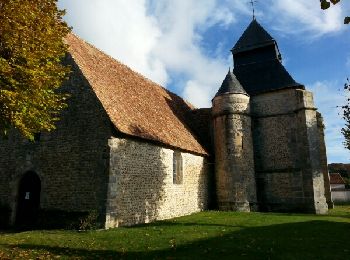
x=258 y=63
x=254 y=36
x=231 y=85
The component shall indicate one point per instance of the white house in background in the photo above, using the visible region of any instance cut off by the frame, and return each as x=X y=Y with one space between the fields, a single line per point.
x=337 y=182
x=339 y=193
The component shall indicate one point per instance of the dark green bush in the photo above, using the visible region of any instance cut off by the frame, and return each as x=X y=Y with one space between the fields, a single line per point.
x=347 y=182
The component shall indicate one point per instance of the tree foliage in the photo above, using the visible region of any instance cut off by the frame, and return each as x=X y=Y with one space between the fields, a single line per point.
x=326 y=4
x=31 y=50
x=346 y=115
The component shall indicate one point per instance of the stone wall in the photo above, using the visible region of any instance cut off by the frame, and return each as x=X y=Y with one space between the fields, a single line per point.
x=70 y=161
x=141 y=185
x=287 y=152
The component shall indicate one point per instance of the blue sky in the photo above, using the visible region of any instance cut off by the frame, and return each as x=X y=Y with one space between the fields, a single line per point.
x=184 y=45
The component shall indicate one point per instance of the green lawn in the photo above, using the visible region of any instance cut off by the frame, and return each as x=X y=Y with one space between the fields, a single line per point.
x=219 y=235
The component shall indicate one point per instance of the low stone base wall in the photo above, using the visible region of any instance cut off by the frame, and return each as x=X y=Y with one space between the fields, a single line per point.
x=235 y=206
x=60 y=219
x=294 y=207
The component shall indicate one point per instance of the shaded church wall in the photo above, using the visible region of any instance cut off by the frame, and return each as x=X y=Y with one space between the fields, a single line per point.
x=71 y=161
x=287 y=152
x=141 y=187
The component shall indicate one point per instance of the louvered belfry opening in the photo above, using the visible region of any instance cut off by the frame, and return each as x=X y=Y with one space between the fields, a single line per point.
x=258 y=62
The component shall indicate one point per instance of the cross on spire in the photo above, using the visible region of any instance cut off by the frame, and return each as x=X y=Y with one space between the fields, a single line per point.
x=252 y=2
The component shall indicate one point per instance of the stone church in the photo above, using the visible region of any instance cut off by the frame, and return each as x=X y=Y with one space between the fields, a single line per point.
x=135 y=152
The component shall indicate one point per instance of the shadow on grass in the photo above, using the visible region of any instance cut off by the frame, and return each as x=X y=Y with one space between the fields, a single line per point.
x=180 y=223
x=303 y=240
x=331 y=215
x=341 y=215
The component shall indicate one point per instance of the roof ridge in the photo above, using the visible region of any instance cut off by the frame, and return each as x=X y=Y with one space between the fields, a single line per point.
x=132 y=70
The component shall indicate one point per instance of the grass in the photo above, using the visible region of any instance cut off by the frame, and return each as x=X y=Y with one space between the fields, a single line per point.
x=206 y=235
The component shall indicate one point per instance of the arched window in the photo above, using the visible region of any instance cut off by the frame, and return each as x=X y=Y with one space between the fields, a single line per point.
x=177 y=168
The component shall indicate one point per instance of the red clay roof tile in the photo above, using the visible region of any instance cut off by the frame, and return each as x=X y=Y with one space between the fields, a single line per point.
x=135 y=105
x=335 y=178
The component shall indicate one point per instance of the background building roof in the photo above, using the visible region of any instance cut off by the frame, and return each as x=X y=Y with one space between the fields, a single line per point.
x=335 y=178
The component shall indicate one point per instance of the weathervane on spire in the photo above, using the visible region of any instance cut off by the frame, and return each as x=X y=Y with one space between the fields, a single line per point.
x=252 y=2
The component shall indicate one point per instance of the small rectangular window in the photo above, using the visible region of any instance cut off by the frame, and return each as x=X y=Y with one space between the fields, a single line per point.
x=177 y=168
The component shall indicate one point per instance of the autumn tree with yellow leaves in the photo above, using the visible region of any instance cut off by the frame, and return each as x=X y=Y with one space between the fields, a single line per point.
x=31 y=70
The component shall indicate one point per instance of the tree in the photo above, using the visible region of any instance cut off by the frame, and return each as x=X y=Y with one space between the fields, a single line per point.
x=346 y=108
x=346 y=115
x=326 y=4
x=31 y=70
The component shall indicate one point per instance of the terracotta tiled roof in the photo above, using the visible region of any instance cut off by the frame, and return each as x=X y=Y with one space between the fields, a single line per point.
x=135 y=105
x=335 y=178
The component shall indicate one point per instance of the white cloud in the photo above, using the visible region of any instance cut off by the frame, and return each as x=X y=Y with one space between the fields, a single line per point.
x=120 y=28
x=305 y=17
x=223 y=15
x=163 y=39
x=179 y=46
x=328 y=97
